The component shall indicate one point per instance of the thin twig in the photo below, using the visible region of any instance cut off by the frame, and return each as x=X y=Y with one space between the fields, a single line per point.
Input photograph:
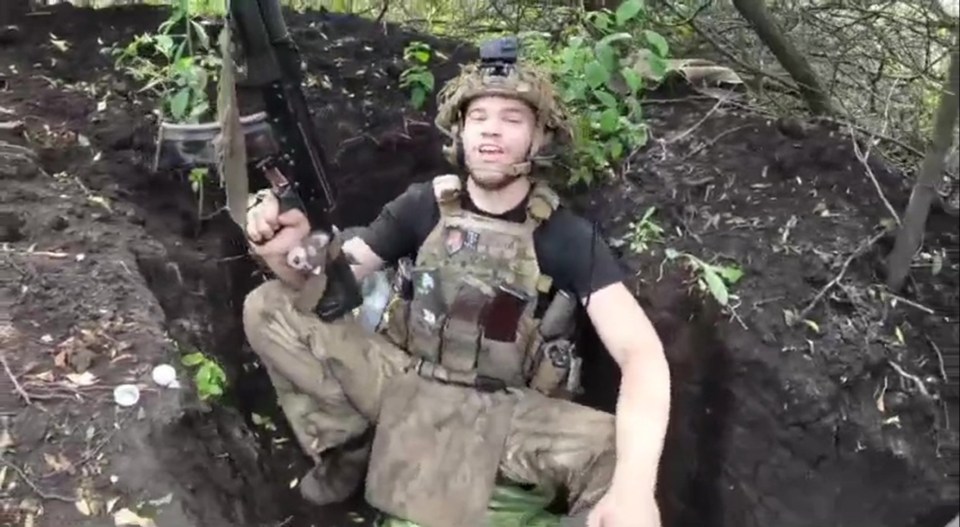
x=873 y=178
x=843 y=269
x=713 y=141
x=16 y=383
x=679 y=100
x=36 y=489
x=916 y=380
x=911 y=303
x=697 y=125
x=943 y=368
x=883 y=391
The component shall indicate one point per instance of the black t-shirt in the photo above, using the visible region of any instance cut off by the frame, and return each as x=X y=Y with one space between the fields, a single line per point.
x=569 y=248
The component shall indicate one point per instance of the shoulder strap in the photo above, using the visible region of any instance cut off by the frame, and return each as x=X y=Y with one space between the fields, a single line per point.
x=446 y=190
x=542 y=203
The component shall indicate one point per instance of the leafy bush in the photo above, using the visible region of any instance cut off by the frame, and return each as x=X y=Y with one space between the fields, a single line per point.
x=600 y=68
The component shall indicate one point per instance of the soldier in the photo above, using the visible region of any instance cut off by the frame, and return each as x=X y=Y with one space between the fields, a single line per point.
x=465 y=383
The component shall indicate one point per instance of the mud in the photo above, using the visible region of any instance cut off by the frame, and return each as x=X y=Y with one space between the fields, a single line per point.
x=109 y=270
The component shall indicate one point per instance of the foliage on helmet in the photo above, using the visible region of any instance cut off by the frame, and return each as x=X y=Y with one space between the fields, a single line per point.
x=523 y=81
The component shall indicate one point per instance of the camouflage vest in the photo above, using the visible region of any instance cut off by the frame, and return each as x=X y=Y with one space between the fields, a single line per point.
x=476 y=286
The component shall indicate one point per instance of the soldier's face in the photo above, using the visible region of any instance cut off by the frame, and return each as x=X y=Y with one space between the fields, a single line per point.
x=497 y=132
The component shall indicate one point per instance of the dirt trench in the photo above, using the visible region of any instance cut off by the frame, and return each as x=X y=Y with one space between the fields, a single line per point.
x=771 y=425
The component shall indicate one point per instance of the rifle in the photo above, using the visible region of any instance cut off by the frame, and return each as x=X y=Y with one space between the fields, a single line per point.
x=281 y=137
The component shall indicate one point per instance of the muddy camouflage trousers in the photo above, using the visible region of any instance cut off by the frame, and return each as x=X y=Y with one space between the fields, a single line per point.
x=331 y=379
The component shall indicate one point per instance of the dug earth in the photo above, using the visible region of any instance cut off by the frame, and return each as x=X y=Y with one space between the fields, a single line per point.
x=839 y=417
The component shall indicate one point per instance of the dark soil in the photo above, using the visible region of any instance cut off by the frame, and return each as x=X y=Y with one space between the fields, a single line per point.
x=107 y=269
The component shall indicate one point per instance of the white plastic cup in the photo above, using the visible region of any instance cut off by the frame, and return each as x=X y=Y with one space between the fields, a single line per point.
x=126 y=395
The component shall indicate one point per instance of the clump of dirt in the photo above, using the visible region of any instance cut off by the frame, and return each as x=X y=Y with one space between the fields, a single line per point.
x=107 y=253
x=822 y=421
x=112 y=273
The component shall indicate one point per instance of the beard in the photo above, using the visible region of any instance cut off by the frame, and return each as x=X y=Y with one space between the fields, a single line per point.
x=492 y=175
x=490 y=178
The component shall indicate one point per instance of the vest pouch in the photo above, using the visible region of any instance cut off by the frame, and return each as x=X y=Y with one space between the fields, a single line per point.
x=552 y=368
x=428 y=311
x=437 y=450
x=462 y=328
x=502 y=345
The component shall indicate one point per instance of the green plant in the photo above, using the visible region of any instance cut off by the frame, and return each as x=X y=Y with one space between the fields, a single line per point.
x=176 y=67
x=600 y=70
x=711 y=278
x=198 y=177
x=645 y=231
x=209 y=377
x=417 y=77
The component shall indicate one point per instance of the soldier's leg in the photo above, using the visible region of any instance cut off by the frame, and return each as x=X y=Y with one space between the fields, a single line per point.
x=328 y=379
x=561 y=444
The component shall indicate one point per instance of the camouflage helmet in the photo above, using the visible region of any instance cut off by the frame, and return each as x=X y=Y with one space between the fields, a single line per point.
x=519 y=80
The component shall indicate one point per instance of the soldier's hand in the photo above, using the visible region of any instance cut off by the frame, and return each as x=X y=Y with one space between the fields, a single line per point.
x=619 y=509
x=272 y=234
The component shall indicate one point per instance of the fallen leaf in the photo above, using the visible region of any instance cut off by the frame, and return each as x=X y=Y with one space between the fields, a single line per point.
x=100 y=200
x=128 y=517
x=59 y=463
x=6 y=440
x=46 y=376
x=62 y=45
x=60 y=360
x=159 y=502
x=82 y=379
x=83 y=507
x=812 y=325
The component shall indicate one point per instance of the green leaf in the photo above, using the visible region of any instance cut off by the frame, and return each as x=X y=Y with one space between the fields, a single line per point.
x=421 y=56
x=610 y=39
x=600 y=20
x=615 y=147
x=657 y=42
x=164 y=44
x=609 y=120
x=604 y=97
x=428 y=80
x=192 y=359
x=648 y=213
x=202 y=37
x=179 y=102
x=731 y=274
x=596 y=74
x=628 y=10
x=417 y=97
x=658 y=66
x=717 y=288
x=607 y=56
x=633 y=79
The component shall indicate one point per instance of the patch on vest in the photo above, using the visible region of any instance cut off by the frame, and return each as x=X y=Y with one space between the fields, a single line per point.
x=456 y=238
x=471 y=239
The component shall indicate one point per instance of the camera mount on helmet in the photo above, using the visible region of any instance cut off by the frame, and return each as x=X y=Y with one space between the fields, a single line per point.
x=498 y=56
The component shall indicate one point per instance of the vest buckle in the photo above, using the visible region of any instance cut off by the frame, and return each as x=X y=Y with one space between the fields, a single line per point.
x=435 y=371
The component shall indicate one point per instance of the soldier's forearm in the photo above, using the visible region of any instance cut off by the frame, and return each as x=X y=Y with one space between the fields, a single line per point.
x=643 y=411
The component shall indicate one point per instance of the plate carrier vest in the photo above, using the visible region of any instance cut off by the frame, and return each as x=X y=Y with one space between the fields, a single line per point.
x=468 y=306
